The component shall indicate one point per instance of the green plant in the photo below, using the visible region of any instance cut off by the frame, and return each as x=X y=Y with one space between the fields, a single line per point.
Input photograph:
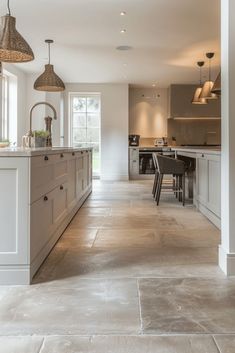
x=40 y=133
x=4 y=141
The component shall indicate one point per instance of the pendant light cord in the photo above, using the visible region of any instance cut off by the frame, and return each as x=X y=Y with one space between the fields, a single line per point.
x=49 y=52
x=209 y=69
x=8 y=6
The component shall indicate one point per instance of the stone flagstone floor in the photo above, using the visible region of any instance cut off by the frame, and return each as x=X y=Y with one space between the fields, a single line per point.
x=125 y=277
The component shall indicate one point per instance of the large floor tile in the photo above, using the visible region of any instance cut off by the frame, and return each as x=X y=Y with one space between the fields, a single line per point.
x=130 y=344
x=77 y=238
x=187 y=305
x=93 y=307
x=123 y=263
x=109 y=238
x=25 y=344
x=226 y=344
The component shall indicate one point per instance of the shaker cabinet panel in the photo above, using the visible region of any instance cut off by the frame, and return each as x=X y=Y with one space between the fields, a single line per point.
x=202 y=176
x=72 y=197
x=214 y=196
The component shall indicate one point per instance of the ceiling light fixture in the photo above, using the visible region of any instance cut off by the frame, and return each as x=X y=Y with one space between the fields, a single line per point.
x=208 y=85
x=153 y=85
x=196 y=98
x=217 y=85
x=49 y=81
x=123 y=31
x=124 y=47
x=123 y=13
x=13 y=47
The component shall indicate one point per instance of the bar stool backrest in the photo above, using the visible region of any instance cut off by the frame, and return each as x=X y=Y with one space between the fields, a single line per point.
x=167 y=165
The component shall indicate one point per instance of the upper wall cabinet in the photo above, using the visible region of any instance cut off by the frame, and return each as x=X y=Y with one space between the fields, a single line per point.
x=180 y=106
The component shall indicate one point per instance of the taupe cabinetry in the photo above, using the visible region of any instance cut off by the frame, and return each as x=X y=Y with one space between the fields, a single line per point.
x=43 y=193
x=180 y=106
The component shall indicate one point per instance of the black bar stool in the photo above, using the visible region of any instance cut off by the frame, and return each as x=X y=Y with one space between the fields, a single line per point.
x=169 y=166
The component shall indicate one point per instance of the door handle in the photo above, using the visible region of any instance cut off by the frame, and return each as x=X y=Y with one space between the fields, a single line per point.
x=45 y=198
x=46 y=158
x=61 y=187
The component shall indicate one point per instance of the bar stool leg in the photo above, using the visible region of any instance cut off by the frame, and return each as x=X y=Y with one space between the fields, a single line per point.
x=159 y=188
x=183 y=189
x=155 y=183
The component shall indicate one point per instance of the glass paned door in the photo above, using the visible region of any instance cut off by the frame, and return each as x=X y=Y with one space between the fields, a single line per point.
x=85 y=124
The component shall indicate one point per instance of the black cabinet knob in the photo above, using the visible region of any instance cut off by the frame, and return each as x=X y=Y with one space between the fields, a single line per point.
x=202 y=155
x=81 y=152
x=46 y=158
x=61 y=155
x=61 y=187
x=73 y=154
x=45 y=198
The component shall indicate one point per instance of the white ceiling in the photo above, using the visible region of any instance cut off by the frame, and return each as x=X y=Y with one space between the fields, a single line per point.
x=168 y=38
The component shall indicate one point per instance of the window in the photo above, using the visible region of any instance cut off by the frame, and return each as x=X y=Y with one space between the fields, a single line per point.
x=8 y=108
x=85 y=113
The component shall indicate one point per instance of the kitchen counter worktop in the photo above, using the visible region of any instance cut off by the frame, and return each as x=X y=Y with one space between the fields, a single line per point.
x=196 y=149
x=29 y=152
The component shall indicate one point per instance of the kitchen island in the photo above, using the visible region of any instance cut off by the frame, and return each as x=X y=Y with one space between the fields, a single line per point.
x=207 y=179
x=41 y=190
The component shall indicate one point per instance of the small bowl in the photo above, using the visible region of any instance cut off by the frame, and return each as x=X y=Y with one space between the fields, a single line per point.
x=4 y=144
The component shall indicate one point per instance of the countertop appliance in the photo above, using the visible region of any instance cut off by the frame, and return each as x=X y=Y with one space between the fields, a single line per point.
x=134 y=140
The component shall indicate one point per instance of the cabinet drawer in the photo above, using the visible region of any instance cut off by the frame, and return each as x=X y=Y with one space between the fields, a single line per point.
x=47 y=213
x=47 y=172
x=42 y=175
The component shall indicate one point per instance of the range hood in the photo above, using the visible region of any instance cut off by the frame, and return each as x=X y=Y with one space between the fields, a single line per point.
x=180 y=106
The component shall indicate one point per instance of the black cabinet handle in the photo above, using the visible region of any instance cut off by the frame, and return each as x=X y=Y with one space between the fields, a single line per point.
x=81 y=152
x=61 y=155
x=73 y=154
x=45 y=198
x=202 y=155
x=61 y=187
x=46 y=158
x=86 y=151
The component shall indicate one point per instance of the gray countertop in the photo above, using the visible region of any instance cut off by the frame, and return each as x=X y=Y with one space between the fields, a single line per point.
x=29 y=152
x=206 y=150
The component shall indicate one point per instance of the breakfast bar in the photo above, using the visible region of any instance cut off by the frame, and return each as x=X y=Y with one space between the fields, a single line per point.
x=206 y=179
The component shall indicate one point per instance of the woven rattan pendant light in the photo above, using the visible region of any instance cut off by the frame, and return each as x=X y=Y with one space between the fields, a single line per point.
x=208 y=85
x=13 y=47
x=196 y=98
x=49 y=81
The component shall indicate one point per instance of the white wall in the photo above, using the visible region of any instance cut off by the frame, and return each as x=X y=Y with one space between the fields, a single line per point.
x=114 y=126
x=148 y=114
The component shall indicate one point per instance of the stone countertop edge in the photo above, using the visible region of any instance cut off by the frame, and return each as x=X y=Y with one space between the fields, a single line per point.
x=30 y=152
x=205 y=150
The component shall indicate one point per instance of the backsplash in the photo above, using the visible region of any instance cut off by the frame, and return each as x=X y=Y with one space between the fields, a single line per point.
x=190 y=131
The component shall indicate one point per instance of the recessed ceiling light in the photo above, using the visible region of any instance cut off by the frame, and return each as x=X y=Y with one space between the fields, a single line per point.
x=124 y=64
x=153 y=85
x=123 y=47
x=123 y=31
x=122 y=13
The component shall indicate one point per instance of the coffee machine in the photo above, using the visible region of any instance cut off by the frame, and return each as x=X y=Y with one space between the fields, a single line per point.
x=134 y=140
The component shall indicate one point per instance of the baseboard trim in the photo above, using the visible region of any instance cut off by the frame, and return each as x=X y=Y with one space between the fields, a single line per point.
x=14 y=274
x=210 y=215
x=226 y=261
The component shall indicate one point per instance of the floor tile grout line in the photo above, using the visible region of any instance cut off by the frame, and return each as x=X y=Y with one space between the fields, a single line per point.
x=139 y=301
x=214 y=340
x=96 y=235
x=42 y=345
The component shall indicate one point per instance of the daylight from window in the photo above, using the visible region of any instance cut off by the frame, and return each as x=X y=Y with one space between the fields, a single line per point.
x=85 y=124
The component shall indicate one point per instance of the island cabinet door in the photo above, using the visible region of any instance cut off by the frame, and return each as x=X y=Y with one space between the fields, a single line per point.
x=214 y=184
x=47 y=214
x=72 y=196
x=86 y=169
x=90 y=167
x=79 y=176
x=202 y=179
x=14 y=210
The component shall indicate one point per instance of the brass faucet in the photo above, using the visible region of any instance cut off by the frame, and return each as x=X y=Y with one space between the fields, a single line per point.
x=48 y=121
